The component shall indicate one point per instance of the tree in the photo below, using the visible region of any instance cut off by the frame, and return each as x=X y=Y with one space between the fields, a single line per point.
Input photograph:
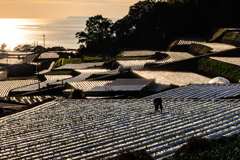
x=39 y=49
x=24 y=48
x=27 y=48
x=3 y=46
x=97 y=31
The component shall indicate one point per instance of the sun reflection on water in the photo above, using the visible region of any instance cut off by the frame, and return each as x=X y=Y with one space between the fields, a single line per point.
x=17 y=31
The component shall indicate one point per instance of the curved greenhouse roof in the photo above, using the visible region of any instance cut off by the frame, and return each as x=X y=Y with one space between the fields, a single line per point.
x=221 y=80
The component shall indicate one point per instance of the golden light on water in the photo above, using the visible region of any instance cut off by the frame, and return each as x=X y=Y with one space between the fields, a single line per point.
x=15 y=31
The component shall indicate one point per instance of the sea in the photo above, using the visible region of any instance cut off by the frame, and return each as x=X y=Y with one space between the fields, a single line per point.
x=44 y=32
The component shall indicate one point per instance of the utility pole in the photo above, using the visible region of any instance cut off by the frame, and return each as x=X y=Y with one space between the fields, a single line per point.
x=44 y=41
x=26 y=56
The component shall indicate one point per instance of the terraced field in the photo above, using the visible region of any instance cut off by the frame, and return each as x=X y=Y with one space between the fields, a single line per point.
x=190 y=40
x=34 y=87
x=6 y=86
x=92 y=71
x=52 y=80
x=57 y=77
x=177 y=78
x=231 y=60
x=80 y=65
x=217 y=47
x=88 y=85
x=28 y=99
x=137 y=53
x=80 y=77
x=88 y=129
x=201 y=91
x=49 y=69
x=48 y=55
x=134 y=64
x=175 y=56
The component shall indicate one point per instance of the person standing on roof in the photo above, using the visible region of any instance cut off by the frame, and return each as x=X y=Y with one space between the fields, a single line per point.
x=158 y=102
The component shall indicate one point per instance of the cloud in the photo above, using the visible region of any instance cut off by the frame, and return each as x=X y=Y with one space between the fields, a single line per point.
x=63 y=8
x=72 y=1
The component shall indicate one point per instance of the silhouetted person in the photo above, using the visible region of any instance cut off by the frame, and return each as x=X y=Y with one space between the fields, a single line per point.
x=158 y=102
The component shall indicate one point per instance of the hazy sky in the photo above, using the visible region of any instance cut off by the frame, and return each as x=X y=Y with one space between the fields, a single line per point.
x=64 y=8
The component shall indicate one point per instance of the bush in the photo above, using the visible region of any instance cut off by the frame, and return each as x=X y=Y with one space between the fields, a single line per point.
x=203 y=148
x=130 y=97
x=232 y=38
x=76 y=94
x=198 y=49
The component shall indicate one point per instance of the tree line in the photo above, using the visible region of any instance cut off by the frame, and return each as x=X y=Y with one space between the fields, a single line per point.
x=152 y=24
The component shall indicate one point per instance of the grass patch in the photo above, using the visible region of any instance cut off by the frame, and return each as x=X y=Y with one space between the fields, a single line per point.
x=93 y=58
x=198 y=49
x=72 y=60
x=58 y=63
x=232 y=38
x=203 y=148
x=215 y=68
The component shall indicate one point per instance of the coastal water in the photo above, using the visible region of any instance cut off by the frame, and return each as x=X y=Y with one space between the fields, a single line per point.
x=58 y=32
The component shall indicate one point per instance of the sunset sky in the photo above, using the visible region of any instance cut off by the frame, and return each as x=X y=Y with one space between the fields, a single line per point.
x=64 y=8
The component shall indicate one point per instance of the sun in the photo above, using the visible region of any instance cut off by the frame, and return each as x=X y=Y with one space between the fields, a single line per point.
x=12 y=31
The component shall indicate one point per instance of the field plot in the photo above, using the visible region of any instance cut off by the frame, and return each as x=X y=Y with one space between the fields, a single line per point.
x=80 y=77
x=52 y=80
x=201 y=91
x=137 y=53
x=48 y=55
x=217 y=47
x=34 y=87
x=6 y=86
x=88 y=85
x=88 y=129
x=177 y=78
x=49 y=69
x=231 y=60
x=57 y=77
x=92 y=71
x=175 y=56
x=80 y=65
x=10 y=61
x=134 y=64
x=190 y=40
x=28 y=99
